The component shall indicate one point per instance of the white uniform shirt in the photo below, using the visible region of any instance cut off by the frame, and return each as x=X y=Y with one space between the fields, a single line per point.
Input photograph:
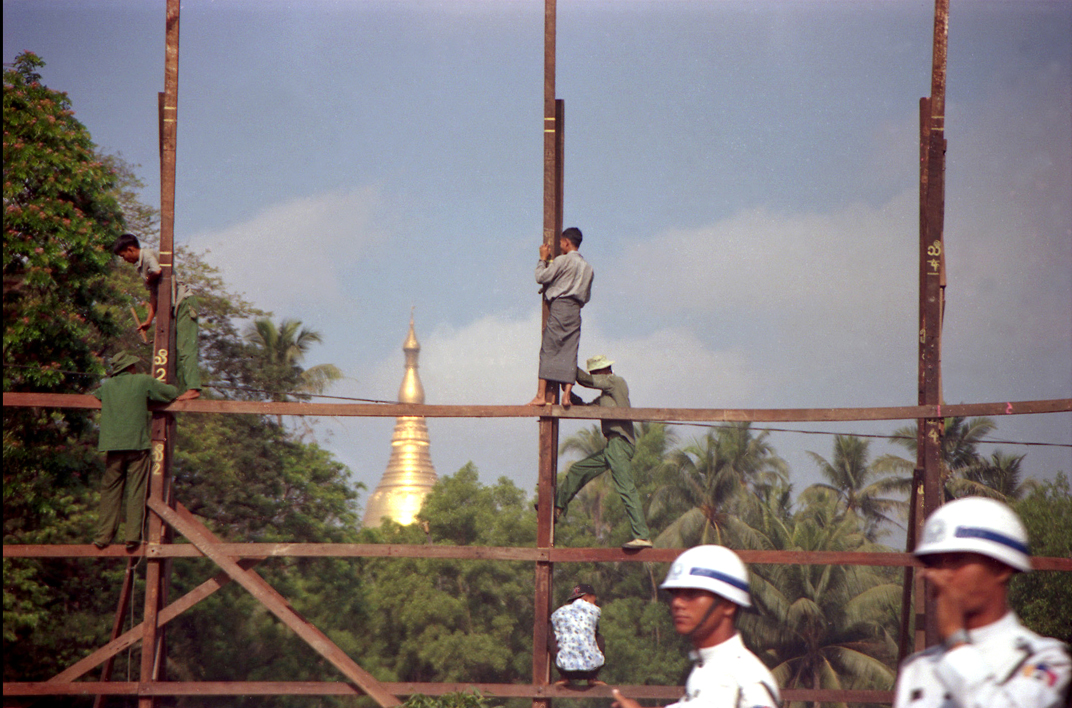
x=727 y=675
x=1006 y=665
x=575 y=631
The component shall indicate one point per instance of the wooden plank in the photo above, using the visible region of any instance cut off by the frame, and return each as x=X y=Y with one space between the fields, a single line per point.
x=339 y=688
x=684 y=415
x=277 y=605
x=554 y=555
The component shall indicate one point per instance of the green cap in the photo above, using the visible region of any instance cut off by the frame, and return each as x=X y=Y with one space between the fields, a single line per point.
x=123 y=360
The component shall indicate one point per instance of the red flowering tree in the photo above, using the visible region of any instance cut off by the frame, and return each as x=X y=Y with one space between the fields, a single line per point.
x=60 y=217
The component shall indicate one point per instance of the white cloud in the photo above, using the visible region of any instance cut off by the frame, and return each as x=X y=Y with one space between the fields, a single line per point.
x=297 y=255
x=795 y=265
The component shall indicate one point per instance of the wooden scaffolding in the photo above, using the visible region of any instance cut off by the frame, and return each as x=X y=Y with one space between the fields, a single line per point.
x=237 y=561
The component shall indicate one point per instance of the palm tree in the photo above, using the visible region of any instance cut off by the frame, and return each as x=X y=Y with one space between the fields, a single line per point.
x=280 y=350
x=718 y=476
x=283 y=348
x=999 y=477
x=861 y=488
x=824 y=626
x=960 y=452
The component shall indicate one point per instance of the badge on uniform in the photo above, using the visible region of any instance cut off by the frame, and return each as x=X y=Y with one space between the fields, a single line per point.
x=1042 y=672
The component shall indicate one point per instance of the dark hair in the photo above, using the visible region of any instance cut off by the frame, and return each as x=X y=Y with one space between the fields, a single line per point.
x=574 y=235
x=124 y=242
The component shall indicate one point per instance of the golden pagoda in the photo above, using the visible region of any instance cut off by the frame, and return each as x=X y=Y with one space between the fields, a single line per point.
x=410 y=475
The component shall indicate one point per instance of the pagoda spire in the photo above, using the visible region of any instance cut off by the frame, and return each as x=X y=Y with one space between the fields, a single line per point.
x=410 y=475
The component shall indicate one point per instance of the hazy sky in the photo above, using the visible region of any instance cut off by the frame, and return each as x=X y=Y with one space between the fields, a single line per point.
x=745 y=174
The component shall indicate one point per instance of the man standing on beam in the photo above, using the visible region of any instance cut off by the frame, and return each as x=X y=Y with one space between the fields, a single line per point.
x=567 y=287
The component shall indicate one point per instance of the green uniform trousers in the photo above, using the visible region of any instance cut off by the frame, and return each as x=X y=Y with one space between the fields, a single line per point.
x=187 y=374
x=617 y=456
x=123 y=470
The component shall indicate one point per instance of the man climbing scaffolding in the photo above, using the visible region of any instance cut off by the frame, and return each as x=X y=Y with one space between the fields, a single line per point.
x=183 y=303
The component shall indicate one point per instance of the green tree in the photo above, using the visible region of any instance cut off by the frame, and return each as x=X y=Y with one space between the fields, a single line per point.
x=446 y=620
x=718 y=477
x=820 y=626
x=999 y=476
x=60 y=215
x=860 y=487
x=281 y=349
x=1043 y=598
x=960 y=451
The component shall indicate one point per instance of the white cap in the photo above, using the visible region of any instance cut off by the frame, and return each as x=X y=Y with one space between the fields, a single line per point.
x=977 y=525
x=713 y=568
x=598 y=362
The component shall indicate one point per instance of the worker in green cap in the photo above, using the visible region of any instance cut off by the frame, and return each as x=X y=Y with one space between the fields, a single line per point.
x=124 y=439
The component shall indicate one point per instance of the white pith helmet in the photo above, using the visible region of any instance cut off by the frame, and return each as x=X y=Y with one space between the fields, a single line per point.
x=716 y=569
x=977 y=525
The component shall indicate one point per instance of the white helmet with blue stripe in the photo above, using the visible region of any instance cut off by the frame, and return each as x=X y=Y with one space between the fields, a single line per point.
x=977 y=525
x=716 y=569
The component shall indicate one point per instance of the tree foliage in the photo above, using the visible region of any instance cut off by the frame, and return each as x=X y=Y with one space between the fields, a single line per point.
x=861 y=487
x=718 y=477
x=60 y=214
x=1043 y=599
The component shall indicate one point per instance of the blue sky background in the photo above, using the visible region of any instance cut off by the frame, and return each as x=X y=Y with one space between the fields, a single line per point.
x=745 y=174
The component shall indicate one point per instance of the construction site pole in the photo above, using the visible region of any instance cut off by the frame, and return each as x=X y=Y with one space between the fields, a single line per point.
x=548 y=426
x=931 y=299
x=163 y=366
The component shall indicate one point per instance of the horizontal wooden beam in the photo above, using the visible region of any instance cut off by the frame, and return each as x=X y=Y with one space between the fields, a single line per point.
x=708 y=415
x=338 y=688
x=553 y=555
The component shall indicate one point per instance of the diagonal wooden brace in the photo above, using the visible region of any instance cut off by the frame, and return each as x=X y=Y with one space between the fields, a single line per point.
x=264 y=593
x=133 y=635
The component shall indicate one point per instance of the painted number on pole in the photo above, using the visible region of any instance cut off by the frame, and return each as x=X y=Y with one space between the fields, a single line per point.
x=934 y=251
x=160 y=365
x=158 y=458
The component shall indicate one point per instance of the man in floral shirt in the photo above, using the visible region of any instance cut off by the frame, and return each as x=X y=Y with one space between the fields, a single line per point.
x=576 y=626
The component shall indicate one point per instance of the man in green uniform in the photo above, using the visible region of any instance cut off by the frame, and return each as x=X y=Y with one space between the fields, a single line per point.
x=124 y=438
x=617 y=456
x=183 y=303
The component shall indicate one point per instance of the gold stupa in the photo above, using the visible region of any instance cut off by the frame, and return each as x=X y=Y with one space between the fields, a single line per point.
x=410 y=475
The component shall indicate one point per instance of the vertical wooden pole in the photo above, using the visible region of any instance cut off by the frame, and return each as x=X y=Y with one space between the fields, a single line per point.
x=162 y=366
x=548 y=426
x=931 y=280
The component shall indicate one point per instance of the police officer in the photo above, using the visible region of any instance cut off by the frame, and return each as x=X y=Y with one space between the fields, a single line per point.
x=708 y=585
x=987 y=659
